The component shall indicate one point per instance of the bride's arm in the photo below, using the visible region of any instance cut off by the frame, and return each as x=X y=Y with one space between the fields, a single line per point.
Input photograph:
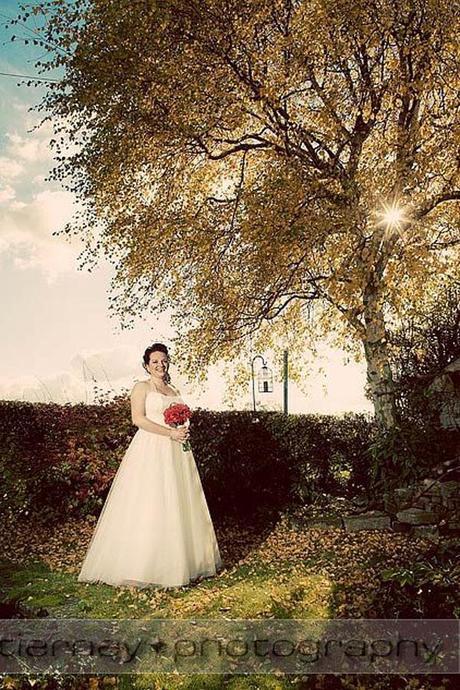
x=139 y=419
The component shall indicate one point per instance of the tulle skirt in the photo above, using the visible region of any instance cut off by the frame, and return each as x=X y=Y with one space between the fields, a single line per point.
x=155 y=527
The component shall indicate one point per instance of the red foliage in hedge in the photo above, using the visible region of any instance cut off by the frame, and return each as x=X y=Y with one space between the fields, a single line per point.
x=60 y=459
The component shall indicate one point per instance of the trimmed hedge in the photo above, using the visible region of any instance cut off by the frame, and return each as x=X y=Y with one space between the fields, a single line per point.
x=60 y=460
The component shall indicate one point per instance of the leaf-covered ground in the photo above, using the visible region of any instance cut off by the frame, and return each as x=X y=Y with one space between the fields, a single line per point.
x=280 y=572
x=342 y=569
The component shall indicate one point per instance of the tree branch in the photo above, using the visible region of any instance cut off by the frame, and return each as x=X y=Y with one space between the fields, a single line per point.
x=432 y=203
x=230 y=151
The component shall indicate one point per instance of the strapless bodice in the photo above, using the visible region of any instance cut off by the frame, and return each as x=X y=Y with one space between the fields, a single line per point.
x=156 y=403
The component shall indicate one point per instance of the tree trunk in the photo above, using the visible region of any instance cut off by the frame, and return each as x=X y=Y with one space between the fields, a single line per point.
x=379 y=375
x=385 y=461
x=380 y=383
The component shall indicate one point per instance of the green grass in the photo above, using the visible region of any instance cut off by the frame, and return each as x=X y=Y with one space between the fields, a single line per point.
x=35 y=586
x=258 y=590
x=253 y=590
x=205 y=682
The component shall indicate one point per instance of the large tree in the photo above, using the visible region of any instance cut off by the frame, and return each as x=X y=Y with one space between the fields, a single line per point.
x=235 y=159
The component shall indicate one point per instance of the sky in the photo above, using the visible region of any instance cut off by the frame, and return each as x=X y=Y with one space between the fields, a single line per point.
x=58 y=340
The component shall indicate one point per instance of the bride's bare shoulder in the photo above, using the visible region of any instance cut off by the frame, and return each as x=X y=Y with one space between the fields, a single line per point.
x=139 y=387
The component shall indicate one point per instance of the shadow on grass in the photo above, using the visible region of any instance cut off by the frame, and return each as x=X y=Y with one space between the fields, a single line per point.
x=237 y=537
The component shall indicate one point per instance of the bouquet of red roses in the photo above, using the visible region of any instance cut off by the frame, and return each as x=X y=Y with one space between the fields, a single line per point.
x=178 y=414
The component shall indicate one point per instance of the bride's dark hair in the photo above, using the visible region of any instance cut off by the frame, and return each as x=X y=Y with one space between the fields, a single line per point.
x=156 y=347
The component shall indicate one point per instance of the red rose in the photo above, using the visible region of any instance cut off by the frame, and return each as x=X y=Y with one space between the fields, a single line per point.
x=177 y=414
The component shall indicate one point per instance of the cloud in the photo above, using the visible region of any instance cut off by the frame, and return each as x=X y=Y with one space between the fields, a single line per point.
x=26 y=151
x=111 y=365
x=31 y=209
x=39 y=180
x=33 y=148
x=7 y=194
x=62 y=387
x=26 y=232
x=20 y=106
x=112 y=370
x=10 y=168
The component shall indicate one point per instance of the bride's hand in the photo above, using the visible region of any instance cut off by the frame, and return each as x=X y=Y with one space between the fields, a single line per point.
x=179 y=434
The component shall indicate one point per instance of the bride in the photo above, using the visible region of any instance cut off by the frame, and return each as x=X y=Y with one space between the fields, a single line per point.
x=155 y=527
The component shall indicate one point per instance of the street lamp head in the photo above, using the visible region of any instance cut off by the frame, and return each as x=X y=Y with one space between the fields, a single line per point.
x=265 y=380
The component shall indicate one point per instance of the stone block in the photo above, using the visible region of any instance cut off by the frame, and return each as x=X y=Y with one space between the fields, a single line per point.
x=450 y=489
x=430 y=506
x=401 y=527
x=374 y=519
x=323 y=523
x=452 y=504
x=424 y=503
x=431 y=486
x=405 y=492
x=402 y=498
x=435 y=499
x=417 y=516
x=430 y=532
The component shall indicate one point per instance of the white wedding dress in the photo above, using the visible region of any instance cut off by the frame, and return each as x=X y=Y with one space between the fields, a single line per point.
x=155 y=527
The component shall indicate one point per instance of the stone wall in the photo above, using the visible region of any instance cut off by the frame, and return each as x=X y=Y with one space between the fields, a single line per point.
x=430 y=508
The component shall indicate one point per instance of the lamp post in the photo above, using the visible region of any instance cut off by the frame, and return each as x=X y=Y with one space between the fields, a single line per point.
x=285 y=383
x=264 y=377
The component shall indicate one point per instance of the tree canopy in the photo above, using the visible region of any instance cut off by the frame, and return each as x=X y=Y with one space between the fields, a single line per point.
x=237 y=162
